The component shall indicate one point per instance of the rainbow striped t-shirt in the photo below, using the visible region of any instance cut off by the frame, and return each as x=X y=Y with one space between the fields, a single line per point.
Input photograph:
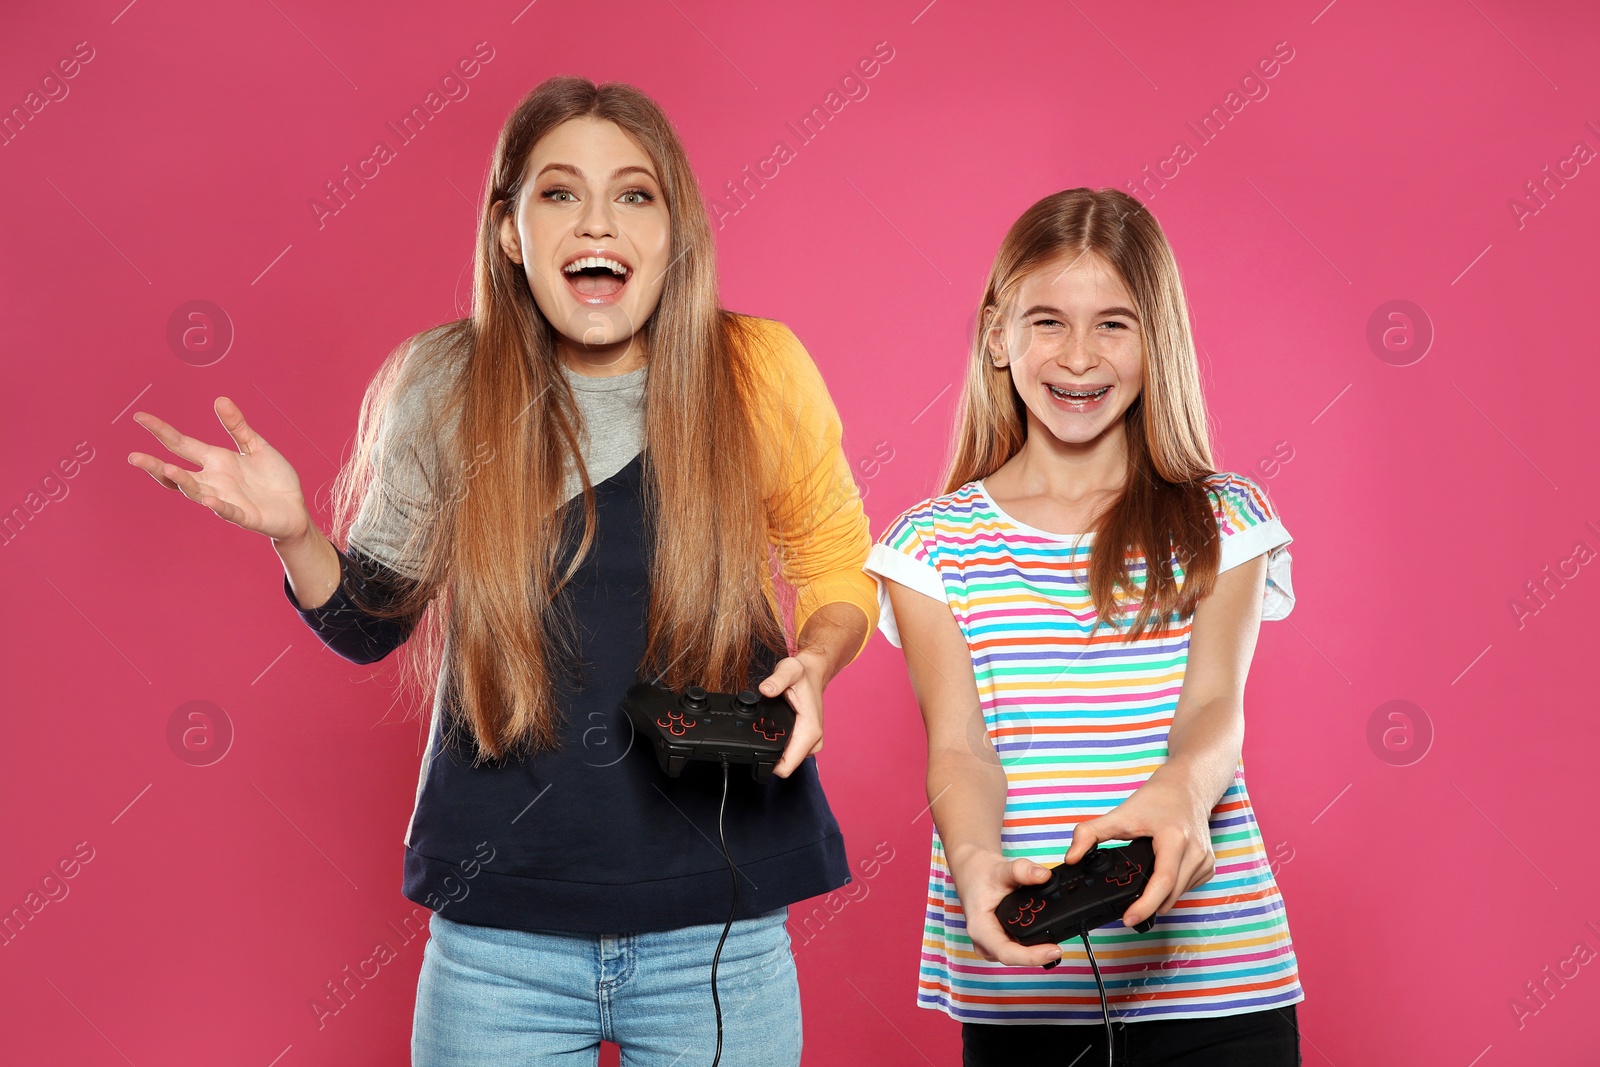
x=1080 y=722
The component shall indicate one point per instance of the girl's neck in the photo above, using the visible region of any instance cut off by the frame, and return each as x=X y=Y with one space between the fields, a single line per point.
x=1046 y=466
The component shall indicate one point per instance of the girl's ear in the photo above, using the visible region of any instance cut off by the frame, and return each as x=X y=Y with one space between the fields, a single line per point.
x=994 y=338
x=510 y=242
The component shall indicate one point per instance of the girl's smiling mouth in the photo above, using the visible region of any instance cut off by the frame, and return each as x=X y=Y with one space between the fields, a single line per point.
x=1078 y=401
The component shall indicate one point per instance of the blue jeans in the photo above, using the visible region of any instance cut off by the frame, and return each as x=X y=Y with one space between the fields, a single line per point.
x=488 y=996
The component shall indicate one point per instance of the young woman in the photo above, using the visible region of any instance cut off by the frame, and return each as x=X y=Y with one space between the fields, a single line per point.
x=578 y=488
x=1078 y=611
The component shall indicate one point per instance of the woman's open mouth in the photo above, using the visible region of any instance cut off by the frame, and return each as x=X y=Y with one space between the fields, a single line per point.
x=1079 y=402
x=597 y=279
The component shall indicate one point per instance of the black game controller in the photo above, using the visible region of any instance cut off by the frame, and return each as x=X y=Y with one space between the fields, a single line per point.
x=743 y=727
x=1081 y=896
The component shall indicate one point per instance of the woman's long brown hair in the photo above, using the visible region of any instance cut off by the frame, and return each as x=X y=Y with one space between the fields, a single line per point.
x=1163 y=512
x=492 y=562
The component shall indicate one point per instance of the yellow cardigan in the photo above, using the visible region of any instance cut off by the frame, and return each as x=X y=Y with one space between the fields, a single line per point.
x=815 y=517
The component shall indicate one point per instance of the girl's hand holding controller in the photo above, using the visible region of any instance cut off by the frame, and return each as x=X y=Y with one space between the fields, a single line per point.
x=1170 y=811
x=254 y=488
x=983 y=879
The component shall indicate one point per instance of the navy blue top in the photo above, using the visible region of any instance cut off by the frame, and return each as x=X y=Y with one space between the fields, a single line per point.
x=592 y=837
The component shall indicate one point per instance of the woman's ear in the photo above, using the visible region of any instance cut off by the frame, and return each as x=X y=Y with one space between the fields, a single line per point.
x=510 y=241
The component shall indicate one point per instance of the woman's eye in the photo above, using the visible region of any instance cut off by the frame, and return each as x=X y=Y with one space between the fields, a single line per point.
x=1118 y=325
x=644 y=197
x=554 y=194
x=1048 y=322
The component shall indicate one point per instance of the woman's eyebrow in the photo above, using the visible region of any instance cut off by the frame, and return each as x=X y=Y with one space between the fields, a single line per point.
x=1125 y=312
x=578 y=173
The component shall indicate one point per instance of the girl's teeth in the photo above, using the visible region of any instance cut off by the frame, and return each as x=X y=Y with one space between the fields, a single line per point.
x=1078 y=396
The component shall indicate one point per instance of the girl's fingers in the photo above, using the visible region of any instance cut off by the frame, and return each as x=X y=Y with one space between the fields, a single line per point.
x=1012 y=953
x=1186 y=873
x=1085 y=835
x=1200 y=872
x=1176 y=861
x=1027 y=872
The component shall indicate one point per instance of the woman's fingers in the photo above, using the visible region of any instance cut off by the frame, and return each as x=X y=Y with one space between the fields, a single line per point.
x=788 y=671
x=787 y=678
x=169 y=475
x=806 y=740
x=192 y=487
x=255 y=489
x=153 y=467
x=233 y=421
x=799 y=679
x=179 y=444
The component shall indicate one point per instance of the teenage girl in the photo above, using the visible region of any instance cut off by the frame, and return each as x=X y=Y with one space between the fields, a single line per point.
x=1078 y=612
x=579 y=487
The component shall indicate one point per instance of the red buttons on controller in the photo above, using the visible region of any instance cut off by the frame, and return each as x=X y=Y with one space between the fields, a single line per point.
x=1025 y=912
x=768 y=728
x=675 y=723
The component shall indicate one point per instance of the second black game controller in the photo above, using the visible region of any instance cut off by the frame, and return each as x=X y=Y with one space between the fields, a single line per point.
x=696 y=724
x=1081 y=896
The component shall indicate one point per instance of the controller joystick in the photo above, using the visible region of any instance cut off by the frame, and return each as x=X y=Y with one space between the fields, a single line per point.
x=697 y=725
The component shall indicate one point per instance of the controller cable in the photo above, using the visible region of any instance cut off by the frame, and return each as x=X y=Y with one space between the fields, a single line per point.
x=1105 y=1010
x=734 y=874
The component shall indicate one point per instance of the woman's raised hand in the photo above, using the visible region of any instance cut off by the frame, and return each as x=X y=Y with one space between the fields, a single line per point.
x=254 y=487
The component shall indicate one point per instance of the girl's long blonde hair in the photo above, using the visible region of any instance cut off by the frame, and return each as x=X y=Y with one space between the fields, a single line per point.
x=492 y=560
x=1163 y=512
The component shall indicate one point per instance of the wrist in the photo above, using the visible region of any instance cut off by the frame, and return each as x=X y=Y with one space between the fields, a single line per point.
x=297 y=540
x=1183 y=778
x=963 y=856
x=818 y=661
x=830 y=637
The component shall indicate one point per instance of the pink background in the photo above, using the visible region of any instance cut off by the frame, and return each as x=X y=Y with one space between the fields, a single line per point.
x=1423 y=894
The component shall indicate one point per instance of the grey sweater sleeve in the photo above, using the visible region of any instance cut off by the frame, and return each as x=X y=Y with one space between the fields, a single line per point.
x=408 y=485
x=401 y=505
x=410 y=482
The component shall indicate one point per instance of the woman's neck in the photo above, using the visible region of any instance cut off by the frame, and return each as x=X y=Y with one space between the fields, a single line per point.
x=602 y=361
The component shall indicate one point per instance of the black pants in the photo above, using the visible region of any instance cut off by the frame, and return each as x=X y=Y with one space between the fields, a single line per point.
x=1269 y=1038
